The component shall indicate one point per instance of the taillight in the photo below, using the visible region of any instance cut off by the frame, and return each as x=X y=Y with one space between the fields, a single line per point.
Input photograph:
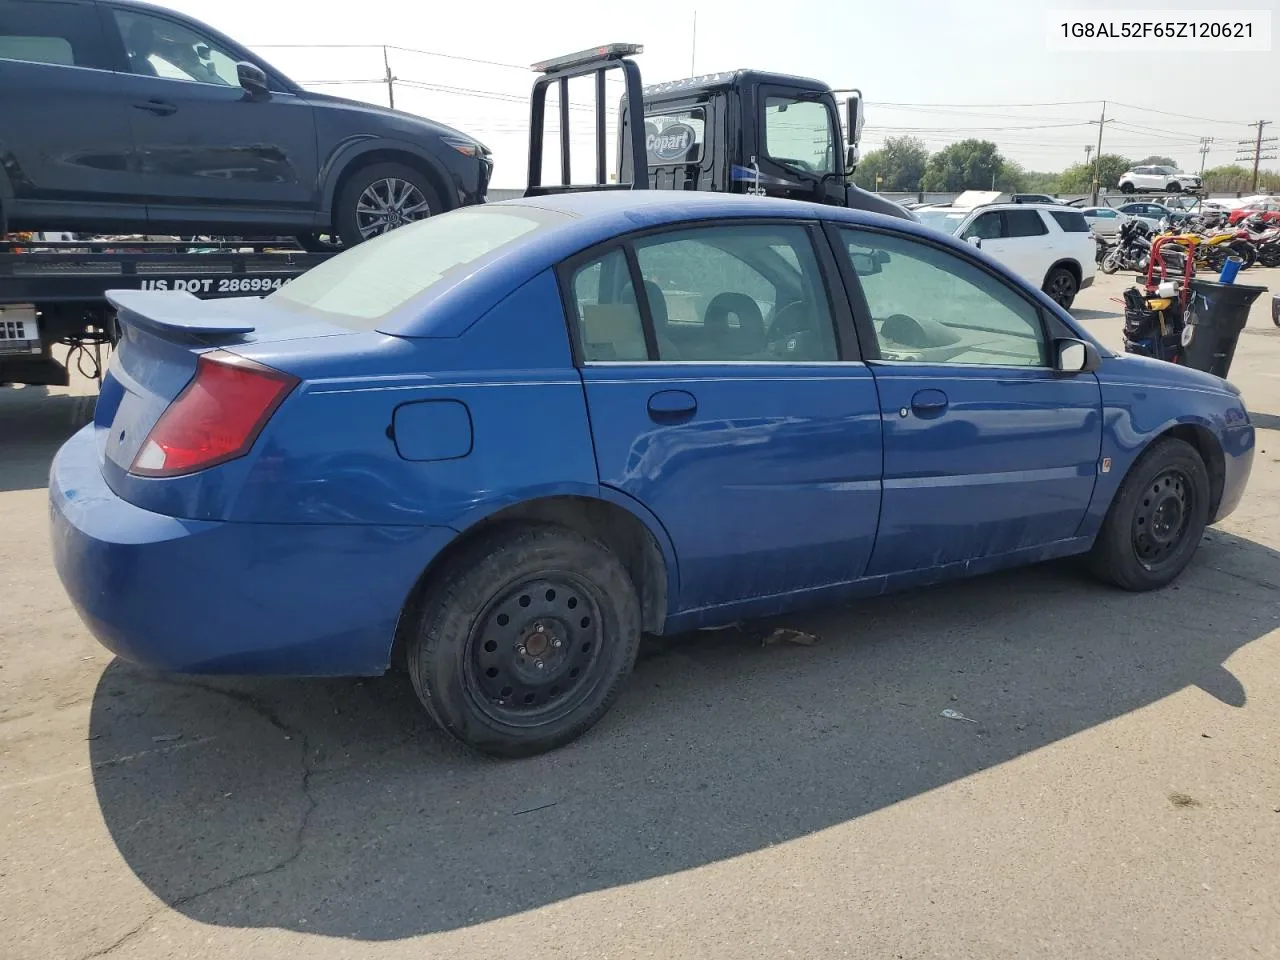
x=216 y=418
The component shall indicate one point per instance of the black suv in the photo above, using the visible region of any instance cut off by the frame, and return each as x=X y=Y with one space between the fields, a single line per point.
x=120 y=116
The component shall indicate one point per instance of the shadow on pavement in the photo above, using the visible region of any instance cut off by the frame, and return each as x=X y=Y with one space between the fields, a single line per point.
x=334 y=808
x=1083 y=313
x=34 y=423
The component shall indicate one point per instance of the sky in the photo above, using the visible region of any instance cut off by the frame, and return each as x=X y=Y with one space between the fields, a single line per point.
x=940 y=70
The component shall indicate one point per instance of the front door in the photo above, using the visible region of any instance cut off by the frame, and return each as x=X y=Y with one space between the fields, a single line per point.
x=207 y=151
x=721 y=403
x=987 y=450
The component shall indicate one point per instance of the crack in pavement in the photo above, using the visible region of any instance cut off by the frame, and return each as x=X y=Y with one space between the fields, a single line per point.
x=264 y=711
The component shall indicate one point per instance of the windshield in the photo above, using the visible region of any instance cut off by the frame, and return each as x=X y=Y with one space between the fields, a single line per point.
x=364 y=284
x=799 y=134
x=948 y=221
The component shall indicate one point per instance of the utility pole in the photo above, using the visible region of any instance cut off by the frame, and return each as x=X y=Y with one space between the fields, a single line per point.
x=1243 y=147
x=693 y=49
x=391 y=80
x=1097 y=158
x=1204 y=152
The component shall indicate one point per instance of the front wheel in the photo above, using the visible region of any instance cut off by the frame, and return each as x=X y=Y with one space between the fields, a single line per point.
x=380 y=198
x=525 y=643
x=1156 y=520
x=1061 y=286
x=1174 y=187
x=1111 y=262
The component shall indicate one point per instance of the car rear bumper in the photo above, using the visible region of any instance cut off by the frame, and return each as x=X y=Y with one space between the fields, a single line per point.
x=195 y=596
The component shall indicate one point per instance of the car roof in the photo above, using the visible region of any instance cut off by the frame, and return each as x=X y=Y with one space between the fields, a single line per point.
x=574 y=222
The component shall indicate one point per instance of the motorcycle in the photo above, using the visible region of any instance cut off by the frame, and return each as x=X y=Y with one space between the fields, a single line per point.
x=1211 y=245
x=1265 y=237
x=1132 y=250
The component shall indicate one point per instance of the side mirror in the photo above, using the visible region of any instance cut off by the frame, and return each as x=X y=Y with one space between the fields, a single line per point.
x=853 y=118
x=253 y=80
x=1075 y=356
x=851 y=160
x=974 y=242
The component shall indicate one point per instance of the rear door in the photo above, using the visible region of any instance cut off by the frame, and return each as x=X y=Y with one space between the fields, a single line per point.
x=728 y=405
x=207 y=151
x=65 y=140
x=987 y=450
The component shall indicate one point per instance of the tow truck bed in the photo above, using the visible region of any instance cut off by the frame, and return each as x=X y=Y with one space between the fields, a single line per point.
x=55 y=293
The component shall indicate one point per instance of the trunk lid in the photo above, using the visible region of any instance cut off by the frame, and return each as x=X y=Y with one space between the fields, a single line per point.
x=162 y=333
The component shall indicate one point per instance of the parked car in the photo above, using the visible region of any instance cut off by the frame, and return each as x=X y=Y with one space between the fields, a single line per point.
x=1103 y=221
x=122 y=117
x=1049 y=246
x=1160 y=179
x=1268 y=209
x=1152 y=213
x=505 y=465
x=1034 y=198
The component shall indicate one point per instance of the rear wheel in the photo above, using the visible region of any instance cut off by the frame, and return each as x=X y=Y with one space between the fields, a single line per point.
x=1126 y=188
x=1246 y=251
x=1156 y=520
x=380 y=198
x=526 y=642
x=1061 y=286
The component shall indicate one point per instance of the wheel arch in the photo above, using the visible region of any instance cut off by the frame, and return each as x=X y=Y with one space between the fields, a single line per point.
x=1068 y=264
x=347 y=163
x=626 y=528
x=1203 y=440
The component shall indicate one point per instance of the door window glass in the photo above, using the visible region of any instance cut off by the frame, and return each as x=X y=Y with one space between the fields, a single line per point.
x=799 y=133
x=609 y=323
x=930 y=306
x=1024 y=223
x=159 y=47
x=739 y=293
x=986 y=227
x=61 y=34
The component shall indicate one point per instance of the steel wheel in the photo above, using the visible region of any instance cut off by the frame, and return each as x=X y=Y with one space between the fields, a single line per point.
x=387 y=204
x=1163 y=517
x=533 y=654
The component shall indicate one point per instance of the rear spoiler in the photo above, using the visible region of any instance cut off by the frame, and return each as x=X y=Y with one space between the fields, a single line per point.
x=176 y=314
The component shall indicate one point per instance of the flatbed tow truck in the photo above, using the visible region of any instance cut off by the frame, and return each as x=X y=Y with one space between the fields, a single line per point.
x=745 y=131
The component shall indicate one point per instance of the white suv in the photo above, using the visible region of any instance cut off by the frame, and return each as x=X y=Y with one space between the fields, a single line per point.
x=1048 y=245
x=1161 y=179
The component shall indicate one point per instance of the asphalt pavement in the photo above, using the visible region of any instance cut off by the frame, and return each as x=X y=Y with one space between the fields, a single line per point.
x=1113 y=792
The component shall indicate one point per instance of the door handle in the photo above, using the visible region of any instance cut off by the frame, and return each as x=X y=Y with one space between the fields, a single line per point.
x=672 y=406
x=161 y=108
x=929 y=403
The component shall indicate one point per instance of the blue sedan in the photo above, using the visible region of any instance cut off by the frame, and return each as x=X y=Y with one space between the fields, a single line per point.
x=501 y=444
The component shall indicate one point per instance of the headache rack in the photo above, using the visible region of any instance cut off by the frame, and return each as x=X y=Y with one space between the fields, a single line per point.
x=597 y=61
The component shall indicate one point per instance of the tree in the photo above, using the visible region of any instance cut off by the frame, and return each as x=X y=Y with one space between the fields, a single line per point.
x=1154 y=161
x=899 y=164
x=1228 y=178
x=967 y=165
x=1078 y=178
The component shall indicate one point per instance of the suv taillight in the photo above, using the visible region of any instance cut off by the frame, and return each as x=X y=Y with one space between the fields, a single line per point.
x=216 y=418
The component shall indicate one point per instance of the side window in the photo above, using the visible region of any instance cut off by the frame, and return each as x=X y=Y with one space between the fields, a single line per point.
x=745 y=293
x=159 y=47
x=609 y=324
x=56 y=33
x=1024 y=223
x=986 y=227
x=799 y=134
x=930 y=306
x=1070 y=221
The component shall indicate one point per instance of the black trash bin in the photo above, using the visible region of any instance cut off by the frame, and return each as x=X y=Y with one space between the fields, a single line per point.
x=1219 y=311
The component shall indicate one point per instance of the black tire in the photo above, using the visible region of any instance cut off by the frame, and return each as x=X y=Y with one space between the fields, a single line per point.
x=1126 y=188
x=1169 y=485
x=353 y=227
x=1245 y=251
x=1111 y=262
x=1174 y=187
x=1061 y=286
x=473 y=659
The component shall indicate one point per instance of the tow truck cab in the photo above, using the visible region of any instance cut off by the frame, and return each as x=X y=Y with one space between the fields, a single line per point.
x=745 y=131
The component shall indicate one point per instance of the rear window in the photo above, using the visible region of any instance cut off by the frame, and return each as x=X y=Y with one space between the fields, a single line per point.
x=361 y=286
x=1072 y=222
